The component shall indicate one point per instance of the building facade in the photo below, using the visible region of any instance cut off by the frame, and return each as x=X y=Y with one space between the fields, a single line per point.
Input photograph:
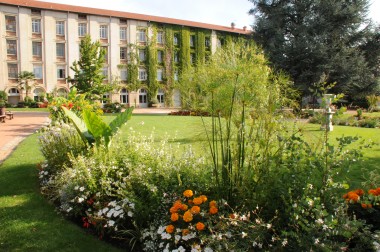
x=144 y=54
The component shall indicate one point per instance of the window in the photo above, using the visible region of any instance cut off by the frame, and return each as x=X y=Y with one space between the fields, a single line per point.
x=61 y=72
x=37 y=70
x=207 y=42
x=143 y=96
x=105 y=98
x=176 y=75
x=142 y=55
x=176 y=57
x=82 y=29
x=60 y=50
x=123 y=33
x=192 y=40
x=142 y=74
x=10 y=23
x=11 y=47
x=60 y=28
x=192 y=58
x=123 y=74
x=160 y=96
x=160 y=56
x=124 y=96
x=103 y=31
x=82 y=16
x=123 y=53
x=160 y=37
x=12 y=71
x=13 y=92
x=38 y=93
x=160 y=74
x=105 y=72
x=37 y=49
x=36 y=26
x=36 y=12
x=176 y=39
x=141 y=36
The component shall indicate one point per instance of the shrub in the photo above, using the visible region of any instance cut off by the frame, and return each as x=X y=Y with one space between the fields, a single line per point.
x=114 y=107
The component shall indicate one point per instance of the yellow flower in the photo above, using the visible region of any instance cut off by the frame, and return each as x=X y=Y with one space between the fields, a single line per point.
x=188 y=193
x=197 y=201
x=188 y=216
x=174 y=217
x=195 y=210
x=170 y=229
x=200 y=226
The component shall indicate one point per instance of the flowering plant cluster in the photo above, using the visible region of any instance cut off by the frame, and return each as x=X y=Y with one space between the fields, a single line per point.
x=370 y=200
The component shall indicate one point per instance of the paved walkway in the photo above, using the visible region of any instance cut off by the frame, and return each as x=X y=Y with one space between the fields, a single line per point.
x=12 y=132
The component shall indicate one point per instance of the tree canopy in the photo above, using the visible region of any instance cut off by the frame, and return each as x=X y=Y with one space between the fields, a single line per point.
x=319 y=41
x=88 y=77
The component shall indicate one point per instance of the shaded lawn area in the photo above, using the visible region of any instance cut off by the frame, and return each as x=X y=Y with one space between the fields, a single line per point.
x=27 y=221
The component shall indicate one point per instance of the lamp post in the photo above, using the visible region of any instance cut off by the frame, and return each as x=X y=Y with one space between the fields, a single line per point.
x=329 y=113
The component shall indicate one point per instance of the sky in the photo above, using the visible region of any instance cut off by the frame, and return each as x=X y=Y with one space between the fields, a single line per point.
x=218 y=12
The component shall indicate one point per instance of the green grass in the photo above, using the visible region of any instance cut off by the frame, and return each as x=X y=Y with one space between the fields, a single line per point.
x=29 y=109
x=27 y=221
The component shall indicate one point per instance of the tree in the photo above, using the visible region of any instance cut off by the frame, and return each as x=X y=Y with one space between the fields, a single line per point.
x=311 y=39
x=88 y=77
x=25 y=79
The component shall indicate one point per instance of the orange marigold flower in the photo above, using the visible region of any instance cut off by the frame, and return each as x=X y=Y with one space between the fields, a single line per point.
x=353 y=196
x=174 y=217
x=188 y=193
x=173 y=210
x=184 y=207
x=364 y=205
x=170 y=229
x=359 y=192
x=372 y=191
x=345 y=196
x=190 y=201
x=232 y=216
x=200 y=226
x=197 y=201
x=204 y=198
x=185 y=231
x=213 y=203
x=369 y=205
x=213 y=210
x=195 y=210
x=188 y=216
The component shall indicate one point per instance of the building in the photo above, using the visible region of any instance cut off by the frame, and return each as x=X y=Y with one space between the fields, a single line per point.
x=44 y=38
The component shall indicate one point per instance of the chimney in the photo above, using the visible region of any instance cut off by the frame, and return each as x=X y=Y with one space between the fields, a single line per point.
x=232 y=25
x=244 y=28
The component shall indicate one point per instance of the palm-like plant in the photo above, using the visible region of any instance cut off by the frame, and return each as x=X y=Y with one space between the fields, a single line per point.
x=26 y=81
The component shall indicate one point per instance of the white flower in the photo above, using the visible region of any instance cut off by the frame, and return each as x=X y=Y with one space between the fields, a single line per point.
x=319 y=221
x=76 y=187
x=177 y=238
x=80 y=200
x=69 y=209
x=81 y=189
x=130 y=214
x=316 y=241
x=243 y=217
x=284 y=242
x=258 y=221
x=269 y=226
x=111 y=223
x=208 y=249
x=325 y=227
x=243 y=234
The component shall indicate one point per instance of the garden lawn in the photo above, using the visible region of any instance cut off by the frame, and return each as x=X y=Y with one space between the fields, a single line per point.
x=27 y=221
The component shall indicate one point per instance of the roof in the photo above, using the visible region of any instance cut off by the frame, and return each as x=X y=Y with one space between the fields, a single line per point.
x=119 y=14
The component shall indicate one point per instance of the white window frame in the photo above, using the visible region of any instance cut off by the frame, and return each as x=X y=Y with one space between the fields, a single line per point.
x=60 y=50
x=60 y=28
x=160 y=96
x=36 y=26
x=176 y=75
x=141 y=35
x=142 y=55
x=37 y=48
x=123 y=53
x=105 y=98
x=10 y=23
x=103 y=31
x=160 y=74
x=11 y=47
x=105 y=73
x=82 y=29
x=14 y=73
x=192 y=40
x=160 y=37
x=124 y=96
x=143 y=96
x=175 y=39
x=123 y=74
x=37 y=94
x=142 y=74
x=123 y=33
x=61 y=72
x=37 y=71
x=160 y=56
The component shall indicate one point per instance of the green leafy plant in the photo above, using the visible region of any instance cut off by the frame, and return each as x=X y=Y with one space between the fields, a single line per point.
x=93 y=129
